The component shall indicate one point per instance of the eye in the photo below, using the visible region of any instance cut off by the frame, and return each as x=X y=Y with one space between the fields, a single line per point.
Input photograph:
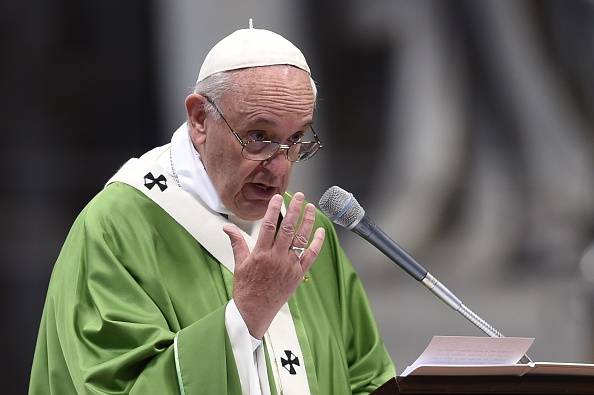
x=257 y=135
x=297 y=137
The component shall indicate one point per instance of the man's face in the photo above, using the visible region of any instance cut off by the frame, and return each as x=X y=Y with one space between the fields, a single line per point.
x=268 y=103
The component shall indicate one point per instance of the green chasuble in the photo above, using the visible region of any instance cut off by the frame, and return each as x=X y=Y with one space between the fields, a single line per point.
x=136 y=305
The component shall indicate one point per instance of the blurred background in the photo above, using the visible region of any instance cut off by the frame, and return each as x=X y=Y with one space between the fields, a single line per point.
x=465 y=129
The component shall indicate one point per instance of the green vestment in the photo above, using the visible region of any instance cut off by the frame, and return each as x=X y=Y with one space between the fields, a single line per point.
x=132 y=289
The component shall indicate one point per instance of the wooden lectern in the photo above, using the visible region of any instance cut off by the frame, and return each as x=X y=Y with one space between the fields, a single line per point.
x=492 y=385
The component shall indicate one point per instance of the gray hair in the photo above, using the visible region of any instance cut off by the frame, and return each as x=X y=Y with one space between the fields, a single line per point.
x=213 y=87
x=216 y=85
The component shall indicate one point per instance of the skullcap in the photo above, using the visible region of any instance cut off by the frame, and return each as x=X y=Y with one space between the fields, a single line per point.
x=251 y=48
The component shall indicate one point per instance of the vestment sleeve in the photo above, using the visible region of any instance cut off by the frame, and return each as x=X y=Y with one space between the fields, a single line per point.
x=114 y=327
x=244 y=348
x=369 y=364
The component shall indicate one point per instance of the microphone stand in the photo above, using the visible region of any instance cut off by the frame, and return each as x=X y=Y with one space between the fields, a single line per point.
x=367 y=229
x=343 y=209
x=451 y=300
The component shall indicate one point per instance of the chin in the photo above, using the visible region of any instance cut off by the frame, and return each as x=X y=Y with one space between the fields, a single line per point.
x=252 y=212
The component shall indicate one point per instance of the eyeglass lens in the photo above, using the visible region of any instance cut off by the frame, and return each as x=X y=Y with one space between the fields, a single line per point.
x=262 y=150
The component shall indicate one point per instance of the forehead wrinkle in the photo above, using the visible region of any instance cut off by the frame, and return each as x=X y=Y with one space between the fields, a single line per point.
x=280 y=85
x=270 y=111
x=280 y=98
x=270 y=121
x=260 y=120
x=263 y=96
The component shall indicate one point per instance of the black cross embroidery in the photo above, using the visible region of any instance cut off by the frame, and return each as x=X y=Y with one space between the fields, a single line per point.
x=150 y=181
x=291 y=360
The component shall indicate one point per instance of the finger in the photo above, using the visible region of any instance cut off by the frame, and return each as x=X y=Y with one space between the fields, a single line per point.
x=286 y=231
x=238 y=244
x=269 y=222
x=307 y=222
x=313 y=250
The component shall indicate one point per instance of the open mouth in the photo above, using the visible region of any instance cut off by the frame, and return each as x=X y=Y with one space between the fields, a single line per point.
x=263 y=187
x=263 y=191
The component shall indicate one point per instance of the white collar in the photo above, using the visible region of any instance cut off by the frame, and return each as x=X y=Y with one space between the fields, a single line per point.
x=190 y=171
x=187 y=166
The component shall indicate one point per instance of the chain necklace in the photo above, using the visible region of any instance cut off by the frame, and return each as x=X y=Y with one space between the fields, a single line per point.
x=175 y=177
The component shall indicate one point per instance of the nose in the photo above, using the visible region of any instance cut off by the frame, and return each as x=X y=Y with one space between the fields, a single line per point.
x=278 y=164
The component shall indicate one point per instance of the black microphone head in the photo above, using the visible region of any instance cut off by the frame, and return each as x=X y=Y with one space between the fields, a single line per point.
x=341 y=207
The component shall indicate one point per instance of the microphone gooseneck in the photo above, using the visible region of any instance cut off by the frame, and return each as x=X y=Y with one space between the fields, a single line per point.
x=343 y=209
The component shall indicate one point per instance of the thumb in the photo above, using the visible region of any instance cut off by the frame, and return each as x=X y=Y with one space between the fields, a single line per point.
x=238 y=244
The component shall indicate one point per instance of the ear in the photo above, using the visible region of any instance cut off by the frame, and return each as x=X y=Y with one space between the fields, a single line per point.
x=195 y=107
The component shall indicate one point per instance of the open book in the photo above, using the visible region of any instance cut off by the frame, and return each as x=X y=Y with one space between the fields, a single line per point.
x=486 y=356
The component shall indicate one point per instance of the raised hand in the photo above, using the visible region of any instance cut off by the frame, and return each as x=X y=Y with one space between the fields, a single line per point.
x=266 y=278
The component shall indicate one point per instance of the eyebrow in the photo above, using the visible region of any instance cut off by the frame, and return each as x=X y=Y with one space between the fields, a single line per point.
x=266 y=121
x=261 y=120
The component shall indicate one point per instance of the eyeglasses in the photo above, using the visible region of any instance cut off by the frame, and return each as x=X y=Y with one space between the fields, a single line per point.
x=259 y=150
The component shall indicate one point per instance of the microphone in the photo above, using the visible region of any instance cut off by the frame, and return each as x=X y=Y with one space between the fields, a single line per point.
x=342 y=208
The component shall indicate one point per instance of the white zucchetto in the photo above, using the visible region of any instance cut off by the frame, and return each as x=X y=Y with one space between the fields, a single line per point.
x=251 y=48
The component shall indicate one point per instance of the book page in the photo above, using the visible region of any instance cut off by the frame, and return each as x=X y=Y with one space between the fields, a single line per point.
x=468 y=350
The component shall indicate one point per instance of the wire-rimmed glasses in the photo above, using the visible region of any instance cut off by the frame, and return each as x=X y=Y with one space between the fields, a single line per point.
x=259 y=150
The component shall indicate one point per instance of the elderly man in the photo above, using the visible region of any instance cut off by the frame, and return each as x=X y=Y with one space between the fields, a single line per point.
x=191 y=272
